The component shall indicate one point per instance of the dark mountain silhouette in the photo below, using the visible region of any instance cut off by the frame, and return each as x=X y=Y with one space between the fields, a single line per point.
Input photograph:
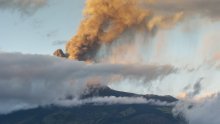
x=98 y=114
x=102 y=91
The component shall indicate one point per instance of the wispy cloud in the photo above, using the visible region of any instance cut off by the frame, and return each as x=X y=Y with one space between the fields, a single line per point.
x=24 y=6
x=59 y=42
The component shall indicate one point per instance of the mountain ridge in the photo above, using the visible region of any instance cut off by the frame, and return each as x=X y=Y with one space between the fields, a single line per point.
x=98 y=114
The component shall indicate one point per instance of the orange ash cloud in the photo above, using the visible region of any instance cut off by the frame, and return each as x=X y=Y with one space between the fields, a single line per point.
x=105 y=20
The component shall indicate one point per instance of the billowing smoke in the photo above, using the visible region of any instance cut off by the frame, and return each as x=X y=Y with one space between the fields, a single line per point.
x=32 y=80
x=105 y=20
x=24 y=6
x=205 y=8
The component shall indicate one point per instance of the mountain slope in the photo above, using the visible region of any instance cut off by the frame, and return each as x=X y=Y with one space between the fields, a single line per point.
x=102 y=91
x=98 y=114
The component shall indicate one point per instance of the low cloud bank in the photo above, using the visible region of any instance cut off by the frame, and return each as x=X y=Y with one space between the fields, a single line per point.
x=200 y=111
x=114 y=100
x=31 y=80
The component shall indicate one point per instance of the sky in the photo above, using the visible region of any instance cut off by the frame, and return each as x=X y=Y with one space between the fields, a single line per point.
x=182 y=60
x=41 y=31
x=53 y=24
x=47 y=26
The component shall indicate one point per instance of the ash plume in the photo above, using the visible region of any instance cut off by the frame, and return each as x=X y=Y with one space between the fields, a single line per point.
x=204 y=8
x=104 y=21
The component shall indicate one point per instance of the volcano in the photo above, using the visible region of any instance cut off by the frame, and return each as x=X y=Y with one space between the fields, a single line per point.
x=99 y=114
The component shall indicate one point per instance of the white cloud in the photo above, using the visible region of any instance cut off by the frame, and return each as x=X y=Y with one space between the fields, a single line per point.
x=32 y=80
x=114 y=100
x=200 y=111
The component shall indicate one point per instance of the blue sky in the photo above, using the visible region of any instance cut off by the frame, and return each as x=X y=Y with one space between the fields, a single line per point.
x=57 y=22
x=191 y=46
x=36 y=33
